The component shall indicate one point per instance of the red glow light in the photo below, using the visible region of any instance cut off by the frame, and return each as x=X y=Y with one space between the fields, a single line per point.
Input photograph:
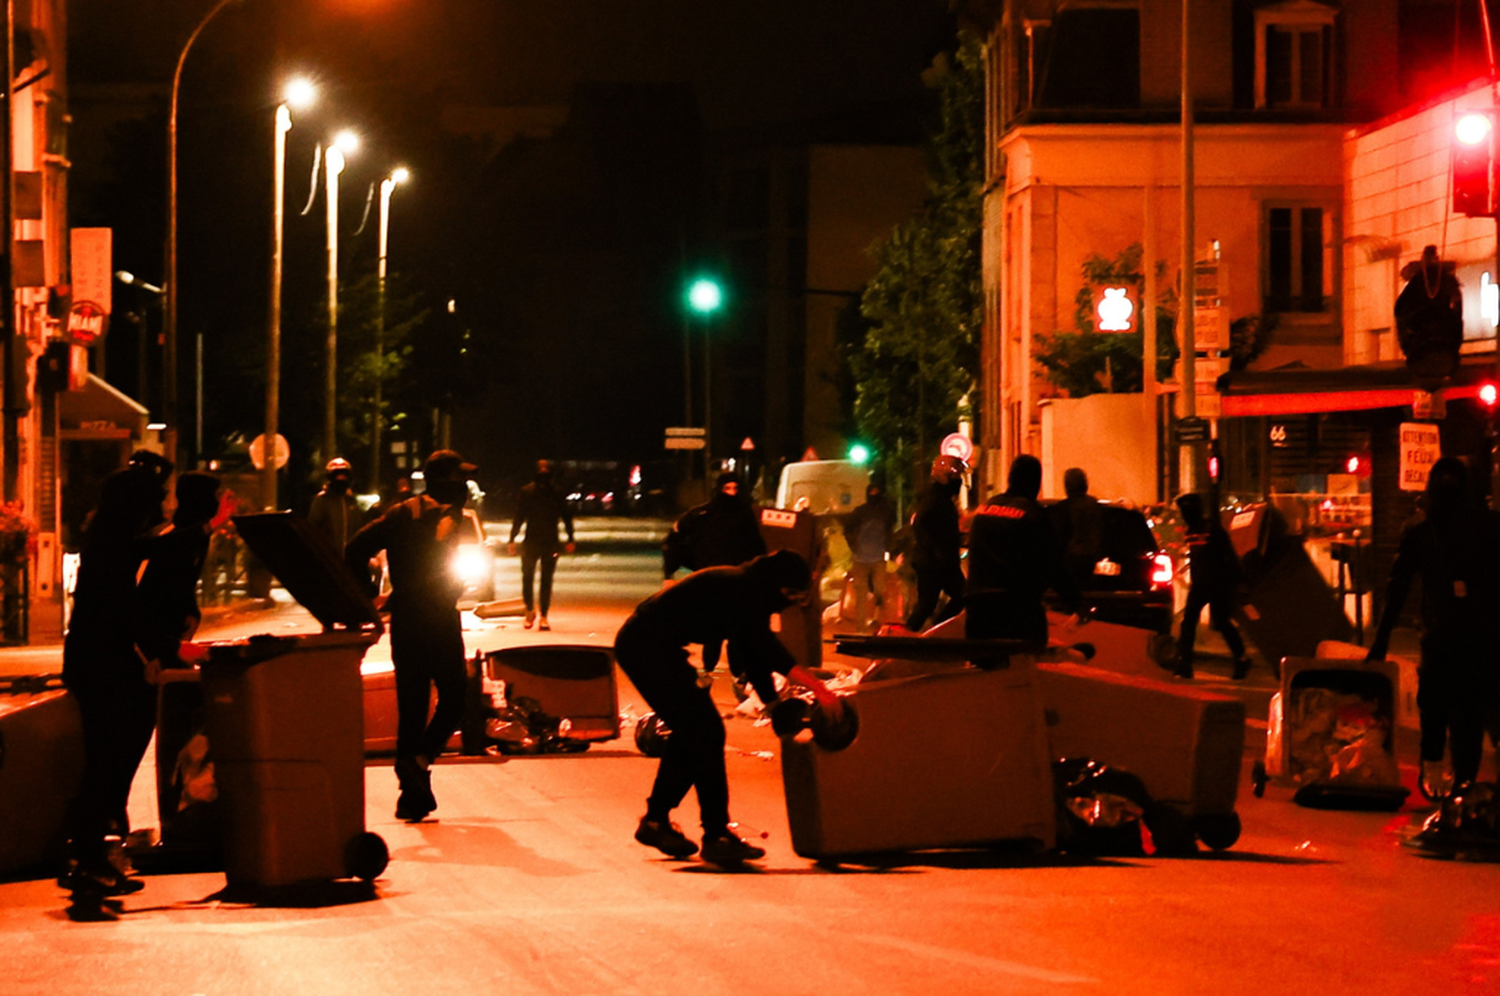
x=1161 y=573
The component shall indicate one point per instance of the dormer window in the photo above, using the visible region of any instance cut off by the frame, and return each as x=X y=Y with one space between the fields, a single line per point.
x=1294 y=55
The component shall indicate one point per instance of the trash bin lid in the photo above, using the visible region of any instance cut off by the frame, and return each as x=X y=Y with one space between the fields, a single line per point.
x=308 y=567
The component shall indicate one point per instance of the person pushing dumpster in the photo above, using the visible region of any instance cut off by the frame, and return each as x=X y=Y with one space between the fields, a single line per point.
x=419 y=536
x=709 y=607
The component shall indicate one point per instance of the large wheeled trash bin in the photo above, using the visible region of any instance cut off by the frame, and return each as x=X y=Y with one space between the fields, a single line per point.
x=1331 y=733
x=285 y=724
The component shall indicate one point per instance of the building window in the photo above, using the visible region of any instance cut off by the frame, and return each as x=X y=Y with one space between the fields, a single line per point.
x=1293 y=55
x=1296 y=259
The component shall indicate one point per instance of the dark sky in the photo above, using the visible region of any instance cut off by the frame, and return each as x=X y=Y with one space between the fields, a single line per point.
x=598 y=217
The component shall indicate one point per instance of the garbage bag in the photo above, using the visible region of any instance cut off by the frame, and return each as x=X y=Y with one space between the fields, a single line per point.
x=1100 y=808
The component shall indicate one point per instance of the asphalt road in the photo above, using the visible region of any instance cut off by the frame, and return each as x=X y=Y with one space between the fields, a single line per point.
x=527 y=881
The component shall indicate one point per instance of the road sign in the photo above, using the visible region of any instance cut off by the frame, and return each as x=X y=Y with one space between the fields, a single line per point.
x=684 y=442
x=1420 y=449
x=685 y=431
x=258 y=451
x=956 y=444
x=1192 y=430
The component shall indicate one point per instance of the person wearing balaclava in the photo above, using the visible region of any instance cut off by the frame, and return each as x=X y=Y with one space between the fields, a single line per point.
x=1453 y=547
x=723 y=530
x=334 y=513
x=420 y=536
x=541 y=510
x=1014 y=557
x=167 y=611
x=709 y=607
x=937 y=545
x=1215 y=574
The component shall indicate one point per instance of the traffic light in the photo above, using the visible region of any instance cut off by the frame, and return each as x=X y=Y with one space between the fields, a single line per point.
x=859 y=454
x=1487 y=394
x=1473 y=164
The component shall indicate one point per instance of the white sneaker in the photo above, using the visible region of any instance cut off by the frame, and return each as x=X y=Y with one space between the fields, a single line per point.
x=544 y=624
x=530 y=618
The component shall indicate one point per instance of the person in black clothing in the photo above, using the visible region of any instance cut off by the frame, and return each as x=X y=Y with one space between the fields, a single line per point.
x=420 y=536
x=1014 y=557
x=542 y=508
x=868 y=531
x=334 y=513
x=104 y=670
x=937 y=545
x=1453 y=548
x=709 y=607
x=1215 y=575
x=1078 y=521
x=722 y=531
x=167 y=594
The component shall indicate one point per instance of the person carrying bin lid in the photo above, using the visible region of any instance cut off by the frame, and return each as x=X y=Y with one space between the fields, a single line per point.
x=1455 y=549
x=419 y=536
x=708 y=607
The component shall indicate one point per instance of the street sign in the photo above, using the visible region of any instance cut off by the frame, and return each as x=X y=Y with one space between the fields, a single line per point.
x=86 y=323
x=258 y=451
x=956 y=444
x=685 y=437
x=1420 y=448
x=686 y=430
x=1192 y=430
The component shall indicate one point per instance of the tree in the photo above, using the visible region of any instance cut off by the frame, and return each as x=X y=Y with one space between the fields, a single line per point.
x=924 y=305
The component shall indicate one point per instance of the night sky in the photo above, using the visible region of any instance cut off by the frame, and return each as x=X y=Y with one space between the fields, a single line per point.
x=558 y=148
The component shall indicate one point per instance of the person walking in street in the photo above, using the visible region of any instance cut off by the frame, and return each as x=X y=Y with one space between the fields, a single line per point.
x=420 y=536
x=868 y=531
x=1453 y=547
x=709 y=607
x=937 y=545
x=104 y=670
x=1078 y=521
x=722 y=531
x=1014 y=558
x=541 y=510
x=1215 y=575
x=334 y=514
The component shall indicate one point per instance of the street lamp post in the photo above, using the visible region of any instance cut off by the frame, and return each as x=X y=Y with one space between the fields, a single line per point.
x=705 y=296
x=169 y=310
x=387 y=187
x=334 y=163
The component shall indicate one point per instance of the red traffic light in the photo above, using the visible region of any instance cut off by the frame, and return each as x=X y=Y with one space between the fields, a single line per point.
x=1487 y=394
x=1473 y=164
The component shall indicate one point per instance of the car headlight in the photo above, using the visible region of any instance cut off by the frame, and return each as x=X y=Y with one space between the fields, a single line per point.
x=469 y=565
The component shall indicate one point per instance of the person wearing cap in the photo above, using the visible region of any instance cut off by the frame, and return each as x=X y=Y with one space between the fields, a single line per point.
x=542 y=508
x=937 y=545
x=709 y=607
x=334 y=514
x=420 y=536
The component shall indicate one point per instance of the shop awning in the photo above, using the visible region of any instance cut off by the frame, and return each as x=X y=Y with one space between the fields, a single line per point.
x=1303 y=391
x=100 y=411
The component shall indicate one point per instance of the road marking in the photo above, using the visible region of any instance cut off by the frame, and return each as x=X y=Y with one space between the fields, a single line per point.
x=985 y=962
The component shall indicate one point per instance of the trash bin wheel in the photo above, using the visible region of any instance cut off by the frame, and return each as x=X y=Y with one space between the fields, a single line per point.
x=1171 y=831
x=1258 y=778
x=1162 y=650
x=365 y=856
x=1218 y=830
x=651 y=735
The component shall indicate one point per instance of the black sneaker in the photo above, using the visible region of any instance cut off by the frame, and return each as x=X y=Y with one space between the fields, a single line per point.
x=1241 y=669
x=101 y=880
x=666 y=837
x=724 y=848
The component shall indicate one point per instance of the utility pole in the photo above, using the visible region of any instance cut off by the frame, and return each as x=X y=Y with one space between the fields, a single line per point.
x=1187 y=380
x=11 y=441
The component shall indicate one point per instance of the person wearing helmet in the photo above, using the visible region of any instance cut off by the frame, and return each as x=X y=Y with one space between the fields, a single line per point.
x=709 y=607
x=542 y=508
x=1014 y=557
x=1454 y=548
x=937 y=545
x=334 y=514
x=420 y=536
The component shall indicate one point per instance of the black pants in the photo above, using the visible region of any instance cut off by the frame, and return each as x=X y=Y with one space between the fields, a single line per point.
x=118 y=716
x=934 y=580
x=1220 y=617
x=694 y=753
x=1452 y=706
x=427 y=649
x=531 y=556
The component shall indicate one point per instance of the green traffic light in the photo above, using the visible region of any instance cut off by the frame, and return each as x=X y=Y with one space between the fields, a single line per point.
x=859 y=454
x=705 y=296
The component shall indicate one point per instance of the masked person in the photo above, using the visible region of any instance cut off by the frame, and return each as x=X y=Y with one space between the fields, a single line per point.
x=937 y=545
x=723 y=530
x=420 y=536
x=334 y=514
x=1215 y=575
x=1014 y=557
x=167 y=594
x=106 y=673
x=711 y=606
x=868 y=531
x=1453 y=548
x=542 y=509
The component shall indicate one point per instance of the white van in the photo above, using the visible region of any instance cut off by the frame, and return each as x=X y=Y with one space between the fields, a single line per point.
x=830 y=486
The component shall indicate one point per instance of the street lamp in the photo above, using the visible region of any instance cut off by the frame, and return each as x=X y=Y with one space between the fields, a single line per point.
x=705 y=297
x=143 y=351
x=345 y=141
x=298 y=93
x=399 y=175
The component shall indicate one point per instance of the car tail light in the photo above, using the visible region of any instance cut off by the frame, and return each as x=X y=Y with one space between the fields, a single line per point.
x=1161 y=570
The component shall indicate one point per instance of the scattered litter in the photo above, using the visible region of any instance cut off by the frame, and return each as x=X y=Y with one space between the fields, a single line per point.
x=763 y=755
x=1306 y=847
x=1339 y=739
